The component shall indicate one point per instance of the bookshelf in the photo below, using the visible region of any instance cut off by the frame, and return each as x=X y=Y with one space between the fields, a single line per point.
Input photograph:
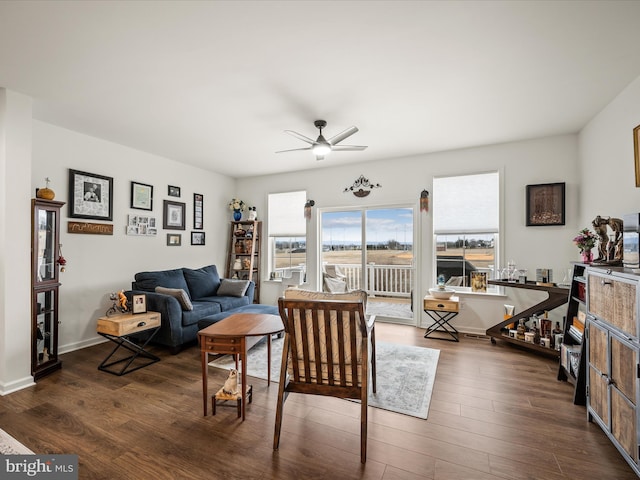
x=243 y=259
x=571 y=367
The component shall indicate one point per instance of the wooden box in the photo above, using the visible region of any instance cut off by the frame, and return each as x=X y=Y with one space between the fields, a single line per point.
x=450 y=305
x=127 y=323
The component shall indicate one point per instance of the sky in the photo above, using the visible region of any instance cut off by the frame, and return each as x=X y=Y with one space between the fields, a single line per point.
x=382 y=225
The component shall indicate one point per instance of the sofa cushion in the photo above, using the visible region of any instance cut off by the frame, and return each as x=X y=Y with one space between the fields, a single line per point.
x=179 y=294
x=233 y=288
x=227 y=303
x=203 y=282
x=164 y=278
x=200 y=310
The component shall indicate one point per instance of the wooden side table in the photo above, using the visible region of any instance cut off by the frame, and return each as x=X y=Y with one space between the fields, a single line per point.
x=229 y=336
x=117 y=328
x=442 y=312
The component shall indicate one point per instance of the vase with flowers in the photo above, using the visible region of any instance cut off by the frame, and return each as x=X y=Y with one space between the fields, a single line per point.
x=586 y=240
x=237 y=206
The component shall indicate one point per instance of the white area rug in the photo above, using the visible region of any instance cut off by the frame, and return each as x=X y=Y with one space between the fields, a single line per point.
x=404 y=380
x=10 y=446
x=389 y=309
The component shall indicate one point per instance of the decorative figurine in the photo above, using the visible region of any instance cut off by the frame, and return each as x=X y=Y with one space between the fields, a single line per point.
x=230 y=386
x=609 y=249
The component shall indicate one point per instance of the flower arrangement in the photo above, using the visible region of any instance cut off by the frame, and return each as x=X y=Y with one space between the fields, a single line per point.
x=585 y=240
x=236 y=204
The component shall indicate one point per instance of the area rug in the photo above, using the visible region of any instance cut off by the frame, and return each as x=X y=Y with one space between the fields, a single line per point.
x=389 y=309
x=405 y=374
x=10 y=446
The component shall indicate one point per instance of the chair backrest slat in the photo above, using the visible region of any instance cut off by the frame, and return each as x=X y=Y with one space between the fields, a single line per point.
x=327 y=339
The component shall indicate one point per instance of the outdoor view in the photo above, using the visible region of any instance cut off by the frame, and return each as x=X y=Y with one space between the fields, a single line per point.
x=459 y=255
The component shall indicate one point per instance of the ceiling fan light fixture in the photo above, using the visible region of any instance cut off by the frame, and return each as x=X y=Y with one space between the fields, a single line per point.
x=321 y=149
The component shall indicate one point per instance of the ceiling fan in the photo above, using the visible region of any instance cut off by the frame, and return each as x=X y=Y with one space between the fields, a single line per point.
x=322 y=147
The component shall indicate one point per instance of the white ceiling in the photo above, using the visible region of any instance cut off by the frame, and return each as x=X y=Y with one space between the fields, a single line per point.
x=215 y=84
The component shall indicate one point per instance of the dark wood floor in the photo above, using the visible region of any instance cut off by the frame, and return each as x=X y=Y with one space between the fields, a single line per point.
x=496 y=413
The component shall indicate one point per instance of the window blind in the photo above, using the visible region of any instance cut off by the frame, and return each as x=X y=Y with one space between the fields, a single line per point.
x=286 y=214
x=466 y=204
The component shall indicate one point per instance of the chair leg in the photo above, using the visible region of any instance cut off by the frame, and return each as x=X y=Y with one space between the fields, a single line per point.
x=373 y=358
x=281 y=393
x=363 y=423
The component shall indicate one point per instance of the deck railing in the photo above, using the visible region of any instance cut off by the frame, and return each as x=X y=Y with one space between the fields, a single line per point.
x=386 y=280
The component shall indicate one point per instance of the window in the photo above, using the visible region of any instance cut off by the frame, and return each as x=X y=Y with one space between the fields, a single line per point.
x=465 y=226
x=287 y=233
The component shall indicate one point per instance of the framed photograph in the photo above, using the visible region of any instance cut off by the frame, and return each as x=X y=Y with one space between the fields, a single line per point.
x=478 y=281
x=173 y=191
x=141 y=196
x=173 y=215
x=545 y=204
x=636 y=152
x=90 y=196
x=139 y=304
x=141 y=225
x=174 y=239
x=198 y=200
x=197 y=238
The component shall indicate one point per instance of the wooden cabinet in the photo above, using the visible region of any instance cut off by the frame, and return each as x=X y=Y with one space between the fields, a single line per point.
x=571 y=367
x=244 y=257
x=45 y=285
x=613 y=358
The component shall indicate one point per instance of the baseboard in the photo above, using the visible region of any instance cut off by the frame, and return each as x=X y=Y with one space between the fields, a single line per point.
x=72 y=347
x=7 y=388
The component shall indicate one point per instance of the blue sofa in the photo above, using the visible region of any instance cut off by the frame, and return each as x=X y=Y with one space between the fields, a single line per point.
x=187 y=296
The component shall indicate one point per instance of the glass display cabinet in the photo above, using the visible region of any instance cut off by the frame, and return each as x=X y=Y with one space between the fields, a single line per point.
x=45 y=284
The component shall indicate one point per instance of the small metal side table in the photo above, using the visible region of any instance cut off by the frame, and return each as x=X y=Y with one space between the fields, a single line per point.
x=442 y=312
x=117 y=328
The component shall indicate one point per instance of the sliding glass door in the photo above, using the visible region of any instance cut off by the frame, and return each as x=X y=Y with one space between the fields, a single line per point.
x=371 y=249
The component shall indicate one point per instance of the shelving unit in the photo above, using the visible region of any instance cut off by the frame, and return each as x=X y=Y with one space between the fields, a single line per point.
x=556 y=296
x=571 y=367
x=244 y=259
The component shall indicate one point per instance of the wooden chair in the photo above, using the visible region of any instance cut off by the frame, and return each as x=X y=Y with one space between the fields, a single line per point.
x=326 y=351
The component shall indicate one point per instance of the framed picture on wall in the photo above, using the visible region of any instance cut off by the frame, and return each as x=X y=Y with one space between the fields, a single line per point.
x=173 y=215
x=197 y=211
x=174 y=239
x=141 y=196
x=90 y=196
x=545 y=204
x=173 y=191
x=197 y=238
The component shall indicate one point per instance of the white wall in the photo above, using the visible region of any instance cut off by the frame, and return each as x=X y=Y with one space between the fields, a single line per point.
x=15 y=241
x=546 y=160
x=607 y=181
x=100 y=264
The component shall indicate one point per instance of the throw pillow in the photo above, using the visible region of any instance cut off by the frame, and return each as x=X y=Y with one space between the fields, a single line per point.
x=179 y=294
x=233 y=288
x=203 y=282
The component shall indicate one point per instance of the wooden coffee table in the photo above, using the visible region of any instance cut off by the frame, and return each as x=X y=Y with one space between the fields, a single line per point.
x=229 y=336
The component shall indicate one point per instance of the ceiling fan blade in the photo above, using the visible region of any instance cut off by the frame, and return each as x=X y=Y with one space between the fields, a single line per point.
x=294 y=150
x=300 y=137
x=341 y=136
x=346 y=148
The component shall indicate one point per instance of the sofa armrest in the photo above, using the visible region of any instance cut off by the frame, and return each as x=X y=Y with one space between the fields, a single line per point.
x=250 y=291
x=170 y=312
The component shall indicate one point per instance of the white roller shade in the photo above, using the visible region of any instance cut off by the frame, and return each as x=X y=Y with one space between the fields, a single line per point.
x=286 y=214
x=466 y=204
